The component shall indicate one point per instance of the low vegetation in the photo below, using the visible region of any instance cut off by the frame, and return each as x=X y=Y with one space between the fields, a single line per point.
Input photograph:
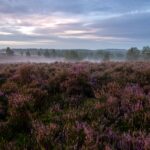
x=75 y=106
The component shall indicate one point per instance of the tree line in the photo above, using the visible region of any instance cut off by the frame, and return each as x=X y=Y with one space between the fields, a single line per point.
x=132 y=54
x=136 y=54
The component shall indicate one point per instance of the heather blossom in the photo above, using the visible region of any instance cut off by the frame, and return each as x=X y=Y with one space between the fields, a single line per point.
x=17 y=100
x=75 y=106
x=1 y=94
x=43 y=132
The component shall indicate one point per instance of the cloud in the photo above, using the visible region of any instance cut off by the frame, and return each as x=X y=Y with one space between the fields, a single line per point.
x=135 y=26
x=82 y=23
x=68 y=6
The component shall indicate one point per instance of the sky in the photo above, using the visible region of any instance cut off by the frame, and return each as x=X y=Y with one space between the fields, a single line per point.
x=65 y=24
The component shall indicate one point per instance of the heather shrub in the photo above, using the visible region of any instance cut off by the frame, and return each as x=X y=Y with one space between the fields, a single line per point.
x=55 y=81
x=40 y=98
x=77 y=84
x=44 y=134
x=3 y=105
x=18 y=102
x=75 y=106
x=9 y=87
x=25 y=73
x=19 y=114
x=2 y=79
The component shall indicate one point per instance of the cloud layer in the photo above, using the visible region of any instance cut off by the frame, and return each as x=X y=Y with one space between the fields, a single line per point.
x=74 y=24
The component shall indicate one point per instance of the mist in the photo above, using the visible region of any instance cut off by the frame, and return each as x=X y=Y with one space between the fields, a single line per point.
x=9 y=55
x=31 y=59
x=42 y=59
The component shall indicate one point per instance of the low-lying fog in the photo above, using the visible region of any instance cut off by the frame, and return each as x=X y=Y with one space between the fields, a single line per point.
x=42 y=59
x=31 y=59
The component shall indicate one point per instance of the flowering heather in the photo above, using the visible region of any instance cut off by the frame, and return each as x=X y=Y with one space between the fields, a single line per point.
x=1 y=94
x=75 y=106
x=17 y=100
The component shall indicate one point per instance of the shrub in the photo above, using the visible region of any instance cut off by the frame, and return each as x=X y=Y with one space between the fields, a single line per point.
x=75 y=106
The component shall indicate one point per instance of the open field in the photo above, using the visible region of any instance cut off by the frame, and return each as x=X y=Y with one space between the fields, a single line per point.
x=75 y=106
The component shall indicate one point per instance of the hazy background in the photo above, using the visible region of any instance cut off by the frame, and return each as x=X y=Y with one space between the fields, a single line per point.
x=10 y=55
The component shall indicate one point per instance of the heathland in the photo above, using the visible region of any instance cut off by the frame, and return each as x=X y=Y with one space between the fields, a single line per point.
x=75 y=106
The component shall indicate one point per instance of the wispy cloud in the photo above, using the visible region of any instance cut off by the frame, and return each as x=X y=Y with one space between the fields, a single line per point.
x=82 y=23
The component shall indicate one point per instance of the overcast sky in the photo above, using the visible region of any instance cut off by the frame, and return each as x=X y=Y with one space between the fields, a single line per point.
x=91 y=24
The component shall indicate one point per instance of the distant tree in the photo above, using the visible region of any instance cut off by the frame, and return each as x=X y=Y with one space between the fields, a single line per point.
x=106 y=56
x=39 y=53
x=46 y=53
x=99 y=54
x=72 y=55
x=133 y=54
x=28 y=53
x=53 y=53
x=146 y=53
x=9 y=52
x=21 y=53
x=119 y=55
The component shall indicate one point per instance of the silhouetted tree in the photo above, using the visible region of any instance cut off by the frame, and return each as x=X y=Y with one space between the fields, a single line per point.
x=9 y=52
x=106 y=56
x=21 y=53
x=146 y=53
x=39 y=53
x=46 y=53
x=133 y=54
x=53 y=53
x=28 y=53
x=72 y=55
x=98 y=54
